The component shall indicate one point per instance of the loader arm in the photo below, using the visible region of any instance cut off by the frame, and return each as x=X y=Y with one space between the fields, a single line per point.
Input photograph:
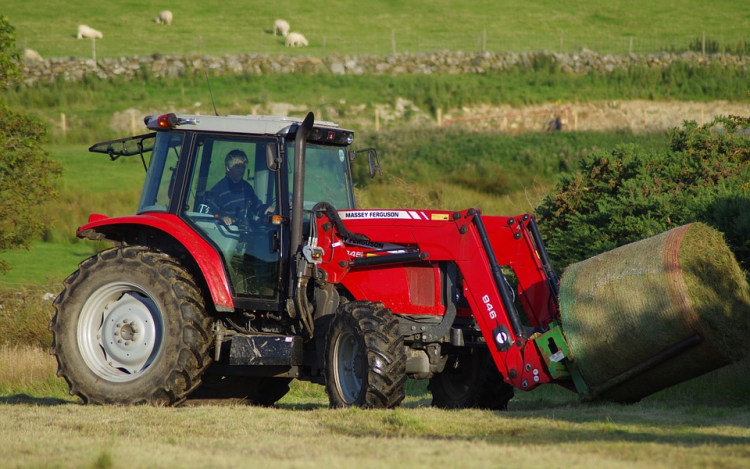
x=478 y=246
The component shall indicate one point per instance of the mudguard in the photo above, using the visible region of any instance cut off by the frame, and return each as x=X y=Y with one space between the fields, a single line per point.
x=208 y=259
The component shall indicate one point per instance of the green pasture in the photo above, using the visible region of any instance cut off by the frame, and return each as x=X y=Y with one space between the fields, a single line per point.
x=90 y=183
x=379 y=27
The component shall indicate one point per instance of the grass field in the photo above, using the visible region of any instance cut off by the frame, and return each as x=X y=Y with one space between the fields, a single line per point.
x=303 y=436
x=243 y=26
x=686 y=427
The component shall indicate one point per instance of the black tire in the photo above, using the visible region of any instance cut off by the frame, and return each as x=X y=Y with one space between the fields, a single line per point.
x=262 y=391
x=150 y=304
x=470 y=380
x=365 y=360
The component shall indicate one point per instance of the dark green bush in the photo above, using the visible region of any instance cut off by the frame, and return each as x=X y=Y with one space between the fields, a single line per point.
x=27 y=171
x=630 y=193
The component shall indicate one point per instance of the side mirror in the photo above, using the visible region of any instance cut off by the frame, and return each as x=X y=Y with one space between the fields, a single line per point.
x=272 y=162
x=373 y=160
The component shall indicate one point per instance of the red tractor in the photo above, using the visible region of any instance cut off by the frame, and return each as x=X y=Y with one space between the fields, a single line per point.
x=248 y=265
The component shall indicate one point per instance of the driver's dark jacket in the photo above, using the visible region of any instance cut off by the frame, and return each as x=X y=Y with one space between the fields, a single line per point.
x=229 y=198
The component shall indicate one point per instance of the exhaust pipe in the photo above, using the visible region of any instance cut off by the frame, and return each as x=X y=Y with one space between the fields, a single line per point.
x=296 y=303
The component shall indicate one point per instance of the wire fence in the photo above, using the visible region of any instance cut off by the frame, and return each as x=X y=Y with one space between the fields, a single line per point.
x=404 y=42
x=395 y=42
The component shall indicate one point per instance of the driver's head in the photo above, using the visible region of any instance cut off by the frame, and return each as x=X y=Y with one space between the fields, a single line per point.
x=236 y=163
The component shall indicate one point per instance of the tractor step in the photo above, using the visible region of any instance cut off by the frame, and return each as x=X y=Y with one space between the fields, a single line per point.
x=266 y=350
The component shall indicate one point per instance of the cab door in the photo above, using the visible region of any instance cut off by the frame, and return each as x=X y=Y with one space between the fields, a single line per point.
x=250 y=245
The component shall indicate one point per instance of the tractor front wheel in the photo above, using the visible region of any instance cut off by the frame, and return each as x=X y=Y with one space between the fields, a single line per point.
x=131 y=328
x=365 y=359
x=470 y=380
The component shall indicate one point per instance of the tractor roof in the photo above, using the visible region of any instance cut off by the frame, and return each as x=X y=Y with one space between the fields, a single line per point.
x=248 y=124
x=323 y=132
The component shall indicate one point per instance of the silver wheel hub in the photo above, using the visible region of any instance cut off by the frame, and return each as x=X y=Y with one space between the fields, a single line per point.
x=119 y=331
x=128 y=333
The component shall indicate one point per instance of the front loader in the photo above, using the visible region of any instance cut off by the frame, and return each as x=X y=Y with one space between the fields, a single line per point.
x=186 y=306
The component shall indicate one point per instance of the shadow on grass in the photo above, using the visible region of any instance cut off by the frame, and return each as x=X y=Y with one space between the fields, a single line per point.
x=300 y=406
x=39 y=401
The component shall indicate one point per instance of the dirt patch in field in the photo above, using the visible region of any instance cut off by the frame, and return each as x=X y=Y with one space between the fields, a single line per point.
x=638 y=116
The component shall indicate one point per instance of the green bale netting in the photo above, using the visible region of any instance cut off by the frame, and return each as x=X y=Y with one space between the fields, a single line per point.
x=679 y=293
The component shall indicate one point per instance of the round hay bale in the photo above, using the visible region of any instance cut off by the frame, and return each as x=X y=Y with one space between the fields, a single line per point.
x=654 y=313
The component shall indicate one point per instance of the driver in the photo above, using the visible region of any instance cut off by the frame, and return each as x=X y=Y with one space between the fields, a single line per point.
x=233 y=198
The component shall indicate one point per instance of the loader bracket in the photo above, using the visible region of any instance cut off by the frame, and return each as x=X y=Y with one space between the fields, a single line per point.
x=557 y=356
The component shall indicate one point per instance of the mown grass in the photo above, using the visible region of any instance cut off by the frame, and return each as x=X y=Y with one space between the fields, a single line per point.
x=546 y=431
x=215 y=27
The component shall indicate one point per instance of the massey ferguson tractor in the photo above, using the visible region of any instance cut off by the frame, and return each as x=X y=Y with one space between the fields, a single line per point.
x=196 y=302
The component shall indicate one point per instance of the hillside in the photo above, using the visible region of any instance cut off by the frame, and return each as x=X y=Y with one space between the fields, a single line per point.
x=384 y=27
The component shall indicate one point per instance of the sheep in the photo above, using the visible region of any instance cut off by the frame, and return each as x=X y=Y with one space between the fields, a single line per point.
x=295 y=40
x=32 y=55
x=280 y=26
x=164 y=17
x=86 y=32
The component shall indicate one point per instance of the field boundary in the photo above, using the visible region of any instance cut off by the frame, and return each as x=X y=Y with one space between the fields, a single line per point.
x=447 y=63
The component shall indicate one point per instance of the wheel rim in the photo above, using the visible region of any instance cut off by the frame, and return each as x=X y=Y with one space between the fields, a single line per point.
x=349 y=368
x=120 y=331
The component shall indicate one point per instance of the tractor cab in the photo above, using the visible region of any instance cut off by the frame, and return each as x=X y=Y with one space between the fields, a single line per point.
x=230 y=179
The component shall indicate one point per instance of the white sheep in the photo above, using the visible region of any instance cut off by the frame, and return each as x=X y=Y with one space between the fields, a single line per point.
x=31 y=54
x=165 y=17
x=280 y=26
x=295 y=40
x=86 y=32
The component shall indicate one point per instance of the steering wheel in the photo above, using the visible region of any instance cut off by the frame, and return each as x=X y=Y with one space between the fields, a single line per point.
x=251 y=225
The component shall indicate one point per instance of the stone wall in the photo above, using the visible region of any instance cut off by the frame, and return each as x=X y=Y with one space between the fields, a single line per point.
x=72 y=69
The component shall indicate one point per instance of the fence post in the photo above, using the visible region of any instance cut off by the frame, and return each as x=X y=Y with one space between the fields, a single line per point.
x=93 y=48
x=484 y=40
x=260 y=43
x=377 y=119
x=440 y=117
x=630 y=49
x=324 y=45
x=63 y=125
x=393 y=41
x=561 y=41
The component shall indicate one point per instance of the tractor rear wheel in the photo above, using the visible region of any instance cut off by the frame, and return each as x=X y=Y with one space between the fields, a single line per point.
x=470 y=380
x=130 y=328
x=365 y=359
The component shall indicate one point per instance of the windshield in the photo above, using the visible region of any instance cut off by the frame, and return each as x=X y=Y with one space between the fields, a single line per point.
x=327 y=176
x=160 y=178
